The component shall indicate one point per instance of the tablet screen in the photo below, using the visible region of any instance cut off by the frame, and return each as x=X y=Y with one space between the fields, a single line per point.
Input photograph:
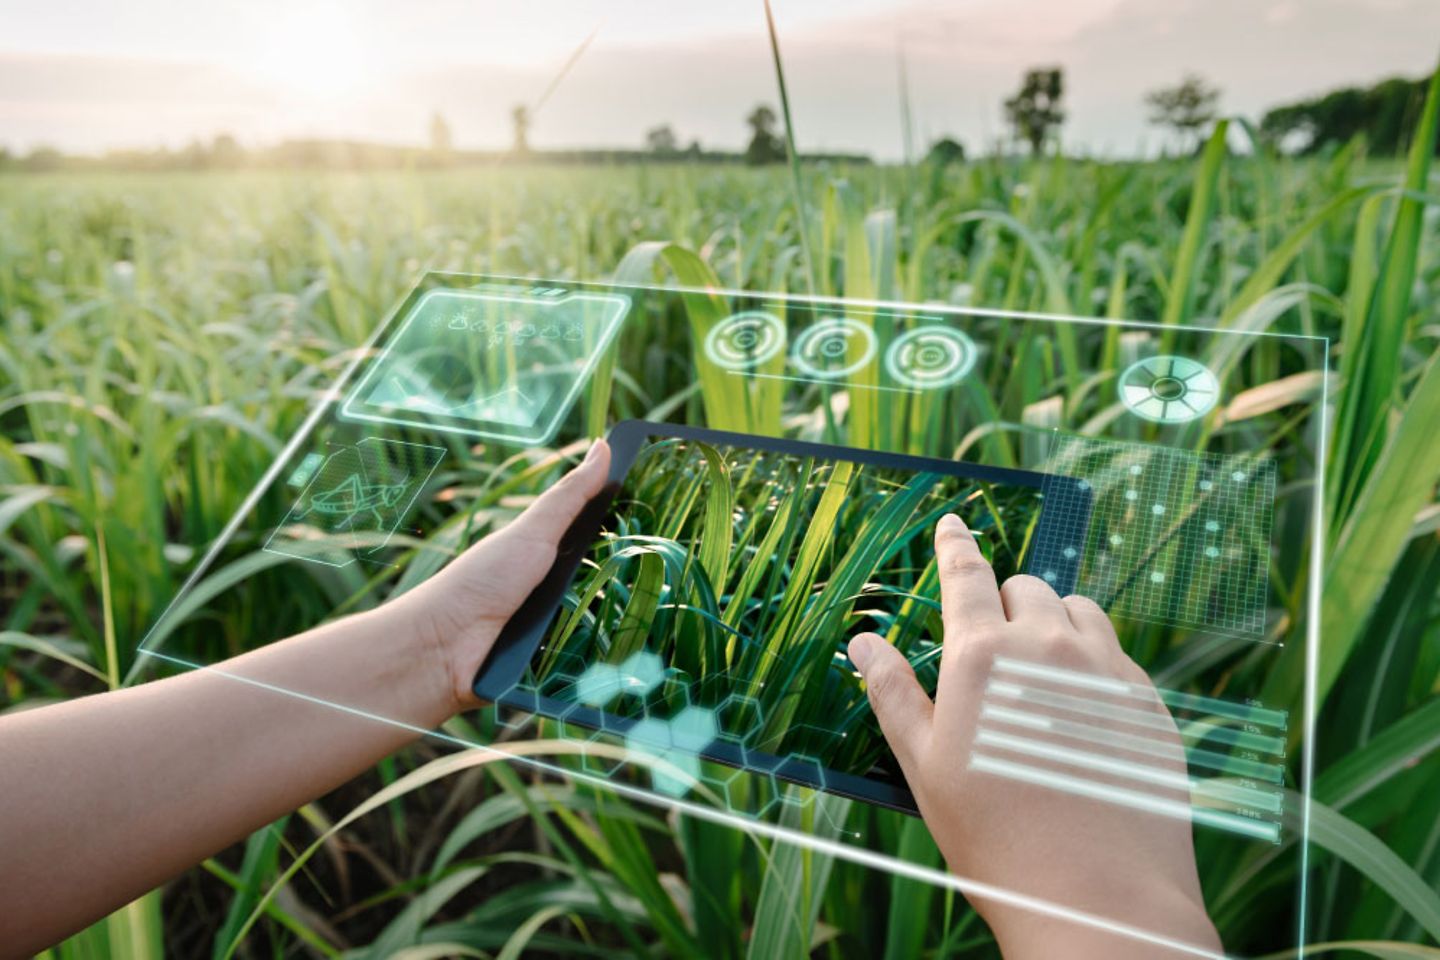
x=717 y=597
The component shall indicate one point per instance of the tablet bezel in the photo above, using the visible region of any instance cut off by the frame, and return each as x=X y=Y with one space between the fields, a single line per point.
x=518 y=640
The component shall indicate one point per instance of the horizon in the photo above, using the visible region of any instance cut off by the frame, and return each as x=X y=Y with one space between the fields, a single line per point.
x=150 y=77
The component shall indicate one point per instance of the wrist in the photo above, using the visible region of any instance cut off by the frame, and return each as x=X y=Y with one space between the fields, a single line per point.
x=415 y=663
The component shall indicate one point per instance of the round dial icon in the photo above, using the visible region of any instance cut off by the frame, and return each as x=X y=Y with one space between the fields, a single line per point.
x=833 y=348
x=930 y=357
x=1169 y=389
x=745 y=340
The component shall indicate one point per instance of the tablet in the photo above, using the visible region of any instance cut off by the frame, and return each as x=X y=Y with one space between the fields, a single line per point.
x=701 y=605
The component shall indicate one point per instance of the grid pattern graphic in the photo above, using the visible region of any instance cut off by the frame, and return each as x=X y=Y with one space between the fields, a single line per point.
x=1175 y=537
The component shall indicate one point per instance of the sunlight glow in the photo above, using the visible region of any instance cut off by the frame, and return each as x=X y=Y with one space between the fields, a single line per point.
x=314 y=53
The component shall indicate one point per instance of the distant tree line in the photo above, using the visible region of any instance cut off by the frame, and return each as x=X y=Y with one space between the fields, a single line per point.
x=1385 y=115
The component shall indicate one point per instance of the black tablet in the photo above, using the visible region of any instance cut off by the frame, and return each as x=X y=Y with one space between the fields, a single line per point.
x=700 y=607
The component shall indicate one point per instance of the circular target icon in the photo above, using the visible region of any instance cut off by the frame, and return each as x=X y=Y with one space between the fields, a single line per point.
x=928 y=358
x=824 y=350
x=1169 y=389
x=745 y=340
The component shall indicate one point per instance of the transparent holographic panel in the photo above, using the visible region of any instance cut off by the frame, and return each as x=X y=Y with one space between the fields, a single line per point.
x=351 y=499
x=1175 y=537
x=1102 y=738
x=649 y=686
x=504 y=363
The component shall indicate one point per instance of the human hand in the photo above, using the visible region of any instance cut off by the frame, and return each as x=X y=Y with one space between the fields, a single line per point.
x=459 y=612
x=1088 y=854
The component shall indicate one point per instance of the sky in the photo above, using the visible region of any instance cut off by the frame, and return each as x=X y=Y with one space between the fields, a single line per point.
x=90 y=76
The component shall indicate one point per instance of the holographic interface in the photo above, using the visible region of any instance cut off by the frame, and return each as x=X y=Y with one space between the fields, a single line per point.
x=498 y=365
x=352 y=500
x=695 y=653
x=1169 y=389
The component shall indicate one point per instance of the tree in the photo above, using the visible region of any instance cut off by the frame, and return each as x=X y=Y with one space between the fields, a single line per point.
x=765 y=146
x=440 y=142
x=662 y=139
x=520 y=119
x=945 y=151
x=1036 y=110
x=1185 y=108
x=1384 y=114
x=42 y=160
x=226 y=152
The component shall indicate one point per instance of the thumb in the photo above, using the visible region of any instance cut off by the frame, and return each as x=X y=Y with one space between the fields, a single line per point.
x=547 y=519
x=900 y=703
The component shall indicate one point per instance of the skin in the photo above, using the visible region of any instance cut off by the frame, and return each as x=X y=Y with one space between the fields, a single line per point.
x=1108 y=860
x=111 y=795
x=191 y=764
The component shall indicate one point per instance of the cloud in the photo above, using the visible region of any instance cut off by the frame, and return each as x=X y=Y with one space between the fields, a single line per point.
x=962 y=57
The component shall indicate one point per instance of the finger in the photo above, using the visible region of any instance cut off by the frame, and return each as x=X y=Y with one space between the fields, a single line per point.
x=1089 y=619
x=552 y=513
x=1086 y=615
x=900 y=703
x=969 y=596
x=1033 y=602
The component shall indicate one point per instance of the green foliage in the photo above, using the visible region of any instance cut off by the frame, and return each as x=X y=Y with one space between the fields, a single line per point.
x=160 y=336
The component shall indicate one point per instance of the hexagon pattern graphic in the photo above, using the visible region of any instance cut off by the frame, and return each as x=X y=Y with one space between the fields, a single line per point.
x=679 y=735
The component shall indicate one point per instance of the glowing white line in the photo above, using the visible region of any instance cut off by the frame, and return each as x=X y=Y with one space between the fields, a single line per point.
x=1312 y=639
x=1071 y=677
x=1123 y=797
x=1233 y=793
x=1197 y=729
x=1254 y=769
x=1062 y=701
x=1174 y=698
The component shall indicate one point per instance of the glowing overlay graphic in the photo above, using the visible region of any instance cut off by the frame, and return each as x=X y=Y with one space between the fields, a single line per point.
x=1169 y=389
x=745 y=340
x=1175 y=537
x=352 y=500
x=833 y=347
x=930 y=357
x=717 y=651
x=494 y=364
x=1107 y=739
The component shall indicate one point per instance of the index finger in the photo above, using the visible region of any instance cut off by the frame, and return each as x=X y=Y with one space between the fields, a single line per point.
x=969 y=594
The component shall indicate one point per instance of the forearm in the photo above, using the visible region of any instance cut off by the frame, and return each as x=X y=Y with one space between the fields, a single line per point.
x=194 y=763
x=1025 y=934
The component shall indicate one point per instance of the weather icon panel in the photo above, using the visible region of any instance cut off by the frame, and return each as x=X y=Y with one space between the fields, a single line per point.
x=1169 y=389
x=493 y=364
x=354 y=501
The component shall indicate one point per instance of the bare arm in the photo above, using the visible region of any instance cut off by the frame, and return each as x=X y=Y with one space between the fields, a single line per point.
x=108 y=796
